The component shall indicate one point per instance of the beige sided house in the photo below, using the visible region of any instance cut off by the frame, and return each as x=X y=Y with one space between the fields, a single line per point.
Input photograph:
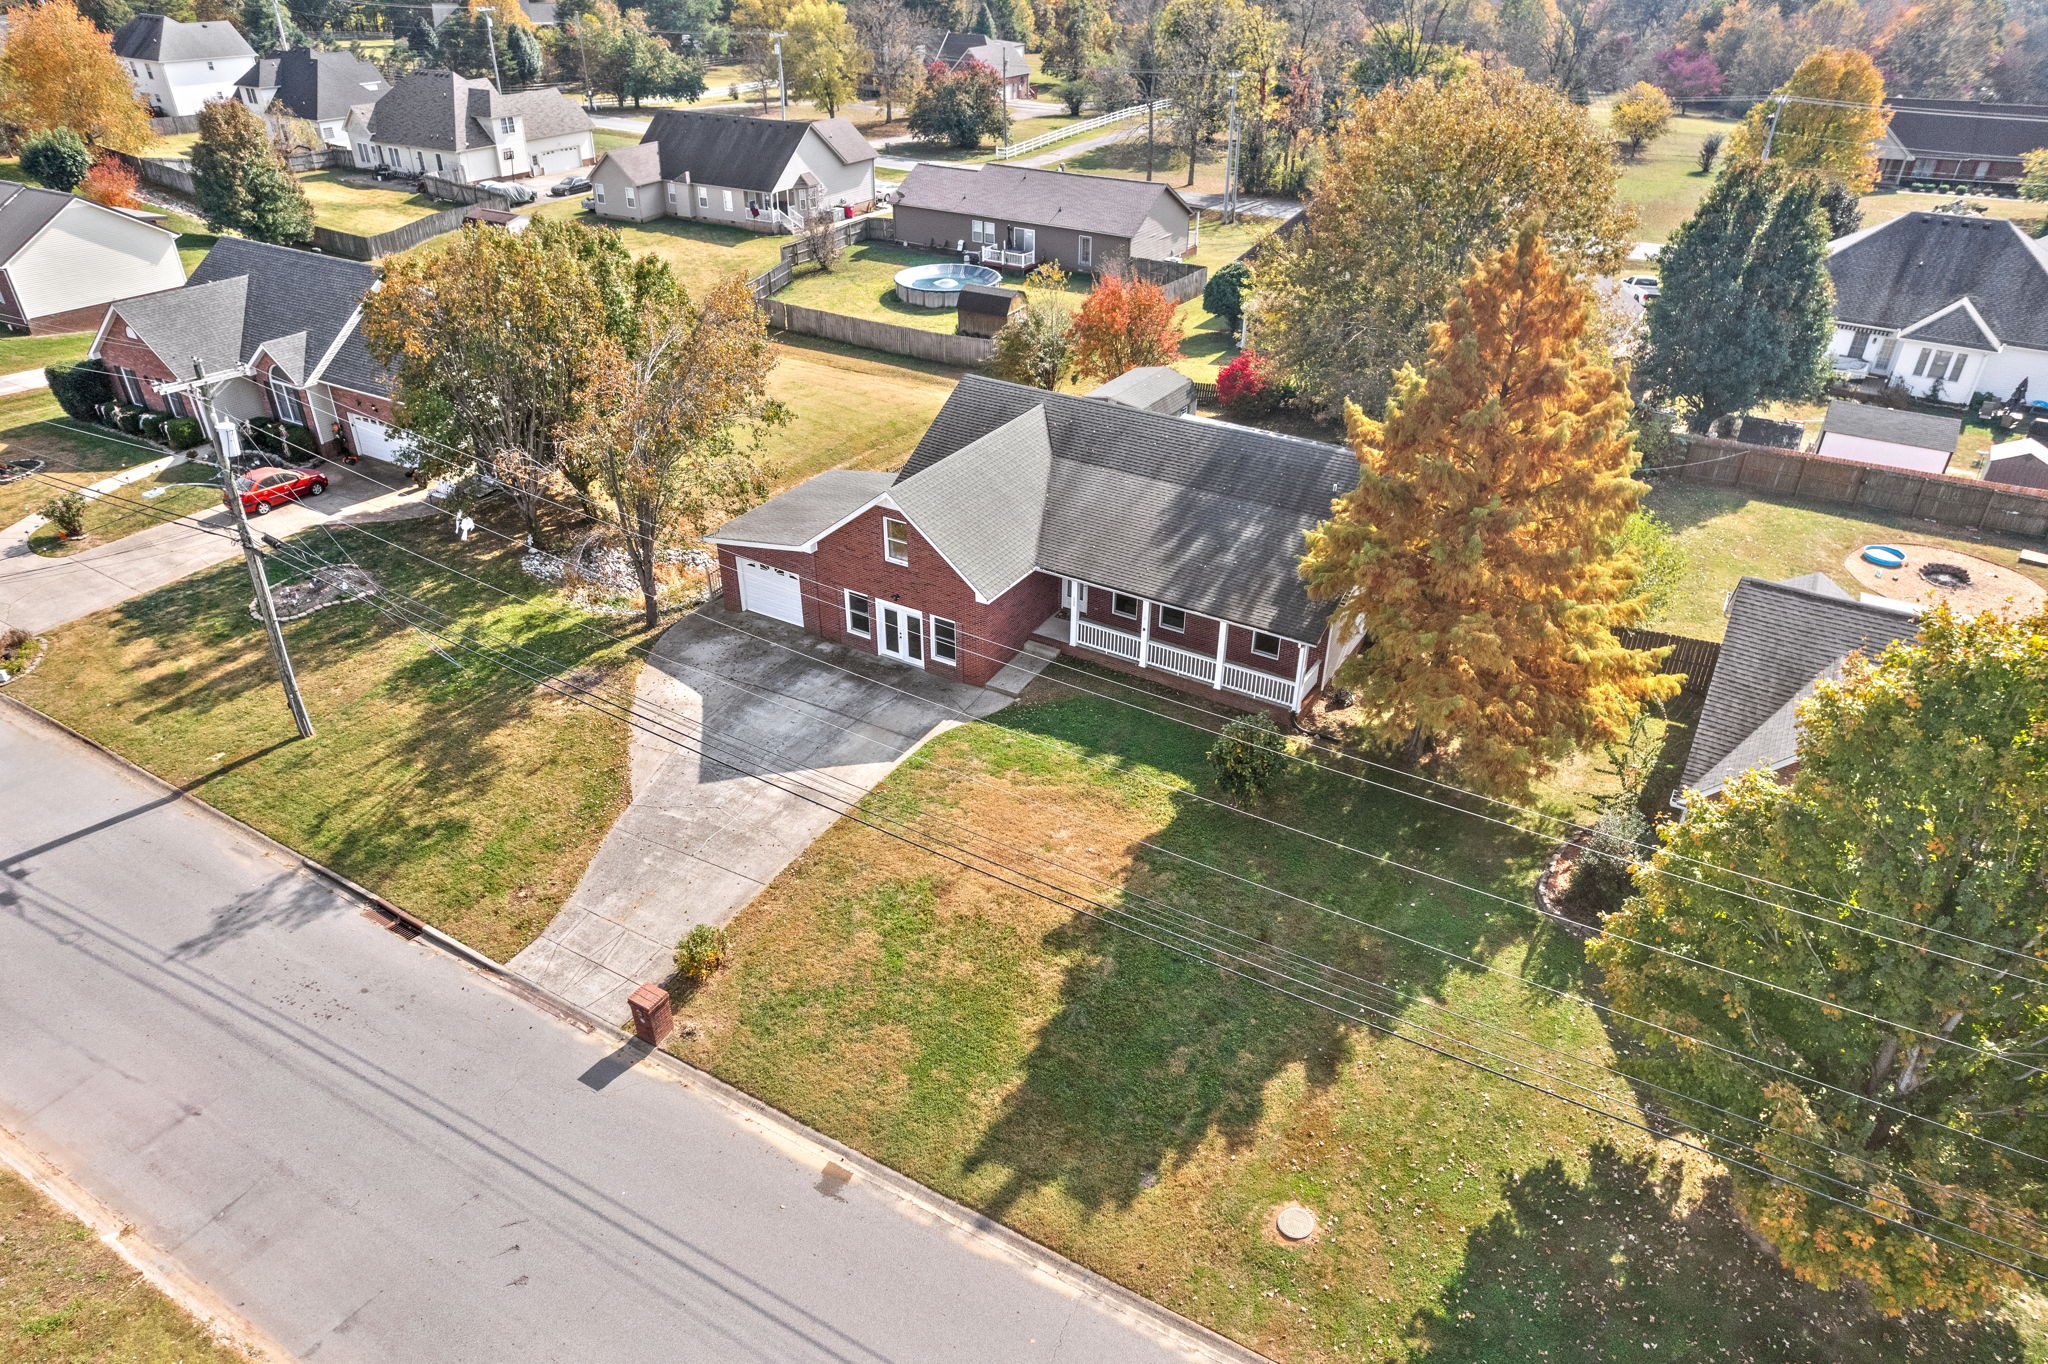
x=1015 y=216
x=757 y=173
x=64 y=259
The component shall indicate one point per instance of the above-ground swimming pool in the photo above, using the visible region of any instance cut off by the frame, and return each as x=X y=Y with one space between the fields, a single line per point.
x=939 y=286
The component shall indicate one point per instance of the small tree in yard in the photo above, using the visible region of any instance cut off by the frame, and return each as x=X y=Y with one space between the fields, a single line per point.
x=241 y=182
x=961 y=107
x=1640 y=116
x=1223 y=295
x=1037 y=348
x=1710 y=151
x=1479 y=550
x=670 y=424
x=701 y=952
x=57 y=159
x=1246 y=757
x=67 y=513
x=822 y=242
x=2034 y=175
x=1247 y=386
x=1916 y=798
x=1124 y=324
x=110 y=183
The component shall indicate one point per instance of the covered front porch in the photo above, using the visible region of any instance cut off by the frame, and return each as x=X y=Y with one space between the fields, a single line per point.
x=1285 y=685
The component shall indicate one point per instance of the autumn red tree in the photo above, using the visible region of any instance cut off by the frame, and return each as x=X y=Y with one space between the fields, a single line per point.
x=1126 y=323
x=110 y=183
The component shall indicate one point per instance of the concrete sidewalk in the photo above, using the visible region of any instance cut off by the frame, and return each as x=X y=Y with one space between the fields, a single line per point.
x=22 y=381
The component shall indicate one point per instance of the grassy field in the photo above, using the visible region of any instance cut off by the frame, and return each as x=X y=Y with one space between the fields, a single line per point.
x=851 y=409
x=353 y=201
x=1145 y=1113
x=180 y=490
x=468 y=795
x=78 y=454
x=1125 y=156
x=699 y=253
x=35 y=352
x=611 y=139
x=65 y=1297
x=1665 y=183
x=1726 y=535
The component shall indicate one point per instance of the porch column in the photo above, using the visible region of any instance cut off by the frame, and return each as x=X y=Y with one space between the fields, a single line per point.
x=1144 y=633
x=1300 y=673
x=1222 y=642
x=1075 y=596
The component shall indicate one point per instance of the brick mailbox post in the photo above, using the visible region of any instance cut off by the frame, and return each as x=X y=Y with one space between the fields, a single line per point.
x=652 y=1018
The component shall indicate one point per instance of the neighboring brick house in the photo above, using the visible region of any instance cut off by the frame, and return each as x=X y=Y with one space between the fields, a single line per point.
x=439 y=123
x=288 y=321
x=764 y=174
x=1783 y=640
x=1957 y=142
x=1160 y=545
x=1015 y=216
x=177 y=67
x=63 y=259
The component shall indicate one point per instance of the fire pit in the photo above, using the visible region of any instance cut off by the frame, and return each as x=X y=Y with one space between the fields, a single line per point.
x=1954 y=577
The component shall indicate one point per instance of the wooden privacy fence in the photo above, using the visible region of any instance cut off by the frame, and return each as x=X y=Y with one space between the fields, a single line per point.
x=1944 y=499
x=1693 y=658
x=462 y=192
x=938 y=347
x=1178 y=279
x=164 y=172
x=358 y=247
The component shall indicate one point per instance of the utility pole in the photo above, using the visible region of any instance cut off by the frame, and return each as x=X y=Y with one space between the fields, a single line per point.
x=1230 y=155
x=491 y=41
x=227 y=444
x=781 y=89
x=1150 y=105
x=1777 y=108
x=277 y=13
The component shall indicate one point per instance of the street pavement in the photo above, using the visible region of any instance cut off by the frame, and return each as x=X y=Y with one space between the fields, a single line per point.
x=38 y=593
x=375 y=1152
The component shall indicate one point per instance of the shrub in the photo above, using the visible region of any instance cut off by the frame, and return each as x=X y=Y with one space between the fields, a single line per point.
x=1710 y=149
x=1036 y=348
x=1223 y=295
x=130 y=420
x=56 y=159
x=1620 y=836
x=67 y=513
x=263 y=434
x=701 y=952
x=111 y=184
x=296 y=442
x=1073 y=94
x=81 y=389
x=184 y=433
x=1246 y=757
x=150 y=426
x=1247 y=386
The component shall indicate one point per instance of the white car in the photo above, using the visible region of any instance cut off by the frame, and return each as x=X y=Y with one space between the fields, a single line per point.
x=1644 y=287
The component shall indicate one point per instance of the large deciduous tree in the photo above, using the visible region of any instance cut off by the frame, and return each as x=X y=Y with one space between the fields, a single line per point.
x=58 y=71
x=1916 y=806
x=241 y=182
x=1199 y=44
x=1640 y=116
x=1423 y=176
x=493 y=341
x=891 y=34
x=822 y=54
x=1942 y=49
x=1836 y=135
x=669 y=425
x=1480 y=551
x=1124 y=324
x=1746 y=312
x=961 y=106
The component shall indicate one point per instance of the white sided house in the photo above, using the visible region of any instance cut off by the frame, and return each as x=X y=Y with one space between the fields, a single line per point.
x=1945 y=305
x=757 y=173
x=177 y=67
x=64 y=259
x=320 y=87
x=439 y=123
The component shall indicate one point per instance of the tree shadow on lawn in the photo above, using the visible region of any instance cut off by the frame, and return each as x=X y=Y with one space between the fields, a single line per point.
x=1618 y=1266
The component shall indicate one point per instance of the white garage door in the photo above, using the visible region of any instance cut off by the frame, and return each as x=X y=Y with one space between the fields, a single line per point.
x=558 y=158
x=773 y=592
x=371 y=437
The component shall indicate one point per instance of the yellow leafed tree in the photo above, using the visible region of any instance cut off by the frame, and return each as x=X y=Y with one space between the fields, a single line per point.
x=1838 y=135
x=1480 y=550
x=58 y=71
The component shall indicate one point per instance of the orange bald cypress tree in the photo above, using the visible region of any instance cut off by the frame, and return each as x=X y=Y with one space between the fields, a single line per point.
x=1481 y=550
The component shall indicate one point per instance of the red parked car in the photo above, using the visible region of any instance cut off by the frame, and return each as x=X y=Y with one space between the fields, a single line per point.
x=265 y=487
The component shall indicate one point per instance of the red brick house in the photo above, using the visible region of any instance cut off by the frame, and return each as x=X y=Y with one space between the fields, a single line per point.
x=290 y=320
x=1156 y=544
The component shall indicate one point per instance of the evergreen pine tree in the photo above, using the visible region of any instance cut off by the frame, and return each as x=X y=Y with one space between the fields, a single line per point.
x=241 y=182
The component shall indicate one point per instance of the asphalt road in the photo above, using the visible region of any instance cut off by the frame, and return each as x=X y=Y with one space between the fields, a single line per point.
x=375 y=1152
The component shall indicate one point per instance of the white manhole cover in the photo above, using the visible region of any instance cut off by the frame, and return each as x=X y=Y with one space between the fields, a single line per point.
x=1296 y=1224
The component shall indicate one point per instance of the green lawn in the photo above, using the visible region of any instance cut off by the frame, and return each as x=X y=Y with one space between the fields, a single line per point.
x=1209 y=341
x=32 y=426
x=355 y=201
x=471 y=797
x=610 y=139
x=851 y=410
x=1884 y=205
x=1726 y=535
x=20 y=352
x=1664 y=183
x=180 y=490
x=65 y=1296
x=863 y=284
x=1145 y=1113
x=699 y=253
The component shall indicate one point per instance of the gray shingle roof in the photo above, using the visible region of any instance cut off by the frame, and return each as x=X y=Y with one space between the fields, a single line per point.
x=24 y=211
x=735 y=151
x=1782 y=639
x=1924 y=430
x=792 y=519
x=1897 y=273
x=1994 y=132
x=153 y=38
x=1955 y=325
x=247 y=296
x=641 y=162
x=998 y=54
x=981 y=507
x=442 y=111
x=1099 y=204
x=988 y=300
x=1155 y=388
x=1196 y=514
x=316 y=85
x=2019 y=463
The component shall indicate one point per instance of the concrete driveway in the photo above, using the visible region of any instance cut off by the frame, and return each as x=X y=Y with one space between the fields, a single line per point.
x=38 y=593
x=701 y=838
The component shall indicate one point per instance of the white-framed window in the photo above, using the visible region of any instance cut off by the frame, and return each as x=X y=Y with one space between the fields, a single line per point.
x=982 y=231
x=286 y=401
x=507 y=125
x=1123 y=604
x=597 y=193
x=860 y=615
x=895 y=540
x=1946 y=366
x=703 y=197
x=630 y=200
x=945 y=640
x=1172 y=619
x=1084 y=254
x=1265 y=645
x=728 y=201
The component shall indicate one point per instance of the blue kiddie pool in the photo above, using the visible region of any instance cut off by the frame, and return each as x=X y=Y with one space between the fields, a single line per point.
x=1884 y=556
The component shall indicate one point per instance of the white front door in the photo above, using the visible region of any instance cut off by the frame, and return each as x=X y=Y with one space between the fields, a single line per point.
x=773 y=592
x=902 y=635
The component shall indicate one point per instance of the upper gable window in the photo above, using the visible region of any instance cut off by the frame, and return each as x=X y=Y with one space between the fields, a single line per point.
x=506 y=125
x=895 y=541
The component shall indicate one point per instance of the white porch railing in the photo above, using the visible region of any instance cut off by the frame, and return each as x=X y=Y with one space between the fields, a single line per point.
x=1171 y=658
x=1264 y=686
x=1016 y=260
x=1116 y=643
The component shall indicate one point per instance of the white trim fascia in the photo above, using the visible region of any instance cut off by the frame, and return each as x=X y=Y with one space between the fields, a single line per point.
x=1964 y=303
x=755 y=544
x=355 y=319
x=77 y=202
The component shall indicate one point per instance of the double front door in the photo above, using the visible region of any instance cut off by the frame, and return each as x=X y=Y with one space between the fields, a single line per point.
x=902 y=633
